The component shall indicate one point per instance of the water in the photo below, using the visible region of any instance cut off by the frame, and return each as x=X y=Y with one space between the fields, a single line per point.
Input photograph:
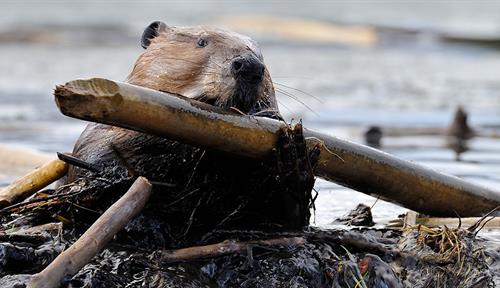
x=402 y=82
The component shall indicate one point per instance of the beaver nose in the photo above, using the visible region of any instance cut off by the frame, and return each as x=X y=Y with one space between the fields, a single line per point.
x=248 y=68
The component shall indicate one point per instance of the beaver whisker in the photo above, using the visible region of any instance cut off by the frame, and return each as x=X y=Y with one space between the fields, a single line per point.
x=296 y=99
x=274 y=112
x=260 y=104
x=301 y=91
x=267 y=105
x=264 y=105
x=203 y=98
x=284 y=106
x=237 y=110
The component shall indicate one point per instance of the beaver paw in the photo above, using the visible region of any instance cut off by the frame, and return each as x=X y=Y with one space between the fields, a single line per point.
x=294 y=174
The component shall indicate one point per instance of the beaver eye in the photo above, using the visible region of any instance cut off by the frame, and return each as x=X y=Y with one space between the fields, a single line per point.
x=202 y=43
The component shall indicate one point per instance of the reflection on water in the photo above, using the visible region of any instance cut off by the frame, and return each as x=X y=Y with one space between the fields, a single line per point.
x=405 y=81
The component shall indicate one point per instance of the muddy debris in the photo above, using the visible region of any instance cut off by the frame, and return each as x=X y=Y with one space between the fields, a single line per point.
x=359 y=216
x=415 y=257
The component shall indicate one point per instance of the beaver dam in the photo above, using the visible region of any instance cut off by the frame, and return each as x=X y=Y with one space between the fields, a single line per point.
x=215 y=189
x=78 y=236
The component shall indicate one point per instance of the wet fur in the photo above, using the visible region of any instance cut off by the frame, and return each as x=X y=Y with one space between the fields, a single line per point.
x=204 y=190
x=173 y=63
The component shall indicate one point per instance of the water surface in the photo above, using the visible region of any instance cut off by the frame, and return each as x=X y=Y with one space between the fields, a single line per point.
x=410 y=81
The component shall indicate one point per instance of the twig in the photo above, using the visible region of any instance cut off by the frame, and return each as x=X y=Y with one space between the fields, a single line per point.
x=95 y=238
x=69 y=159
x=230 y=215
x=191 y=217
x=181 y=198
x=475 y=226
x=29 y=184
x=224 y=248
x=26 y=203
x=164 y=184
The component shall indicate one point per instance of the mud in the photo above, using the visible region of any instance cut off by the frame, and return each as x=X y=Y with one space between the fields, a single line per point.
x=416 y=256
x=359 y=216
x=362 y=257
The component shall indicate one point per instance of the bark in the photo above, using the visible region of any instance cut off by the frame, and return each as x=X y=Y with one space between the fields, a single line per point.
x=356 y=166
x=95 y=238
x=224 y=248
x=493 y=222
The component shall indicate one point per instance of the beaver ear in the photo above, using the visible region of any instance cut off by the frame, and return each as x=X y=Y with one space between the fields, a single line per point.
x=154 y=29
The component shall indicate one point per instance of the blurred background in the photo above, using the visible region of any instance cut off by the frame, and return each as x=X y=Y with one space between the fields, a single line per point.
x=398 y=69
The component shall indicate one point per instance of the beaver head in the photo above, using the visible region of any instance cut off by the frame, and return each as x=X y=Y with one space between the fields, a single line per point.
x=216 y=66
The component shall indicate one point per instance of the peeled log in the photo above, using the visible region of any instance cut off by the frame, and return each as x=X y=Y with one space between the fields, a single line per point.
x=32 y=182
x=356 y=166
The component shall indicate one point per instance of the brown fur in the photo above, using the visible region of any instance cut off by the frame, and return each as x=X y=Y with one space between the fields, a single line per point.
x=174 y=63
x=210 y=190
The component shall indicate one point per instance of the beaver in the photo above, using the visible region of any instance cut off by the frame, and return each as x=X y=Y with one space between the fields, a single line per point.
x=198 y=191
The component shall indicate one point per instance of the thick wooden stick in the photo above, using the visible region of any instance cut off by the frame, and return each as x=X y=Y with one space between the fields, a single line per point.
x=95 y=238
x=224 y=248
x=362 y=168
x=32 y=182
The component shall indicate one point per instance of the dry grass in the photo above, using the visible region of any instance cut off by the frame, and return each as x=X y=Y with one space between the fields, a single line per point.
x=448 y=257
